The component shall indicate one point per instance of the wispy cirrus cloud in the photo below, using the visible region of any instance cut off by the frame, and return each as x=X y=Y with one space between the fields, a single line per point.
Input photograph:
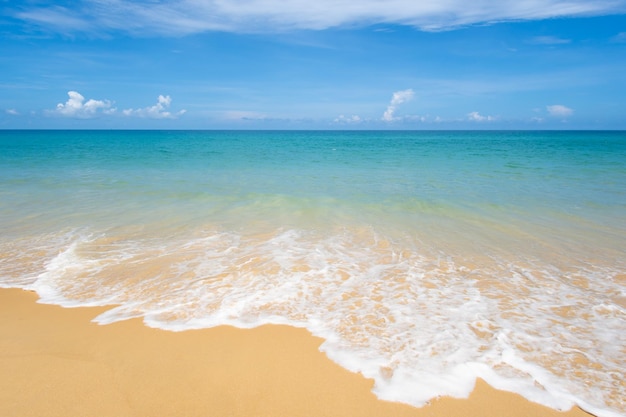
x=550 y=40
x=58 y=18
x=619 y=38
x=178 y=17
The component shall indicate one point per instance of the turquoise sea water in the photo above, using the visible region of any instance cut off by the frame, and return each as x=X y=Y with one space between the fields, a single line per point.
x=424 y=259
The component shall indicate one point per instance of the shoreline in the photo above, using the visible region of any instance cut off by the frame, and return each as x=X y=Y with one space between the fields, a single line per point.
x=55 y=362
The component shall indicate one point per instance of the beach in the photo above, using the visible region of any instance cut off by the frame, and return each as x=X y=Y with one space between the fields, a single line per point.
x=55 y=362
x=262 y=208
x=359 y=267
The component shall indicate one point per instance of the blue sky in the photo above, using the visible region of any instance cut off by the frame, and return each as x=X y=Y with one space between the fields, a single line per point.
x=298 y=64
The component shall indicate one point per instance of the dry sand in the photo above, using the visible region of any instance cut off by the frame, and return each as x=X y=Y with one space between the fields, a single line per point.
x=55 y=362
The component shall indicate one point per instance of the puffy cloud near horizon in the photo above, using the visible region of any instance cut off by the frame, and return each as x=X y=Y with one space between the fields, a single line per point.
x=177 y=17
x=559 y=110
x=348 y=119
x=398 y=98
x=241 y=115
x=75 y=106
x=158 y=111
x=477 y=117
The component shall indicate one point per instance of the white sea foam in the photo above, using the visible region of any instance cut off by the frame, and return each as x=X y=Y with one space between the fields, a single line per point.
x=420 y=321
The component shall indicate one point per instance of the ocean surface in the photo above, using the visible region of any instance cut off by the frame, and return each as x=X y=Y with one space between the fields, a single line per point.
x=424 y=259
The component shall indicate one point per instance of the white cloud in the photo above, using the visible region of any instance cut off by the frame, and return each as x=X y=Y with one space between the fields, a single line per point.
x=158 y=111
x=348 y=119
x=477 y=117
x=177 y=17
x=12 y=112
x=76 y=106
x=550 y=40
x=398 y=98
x=558 y=110
x=57 y=17
x=416 y=118
x=242 y=115
x=619 y=38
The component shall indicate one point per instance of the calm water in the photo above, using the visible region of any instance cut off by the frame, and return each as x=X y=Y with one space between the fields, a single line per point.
x=424 y=259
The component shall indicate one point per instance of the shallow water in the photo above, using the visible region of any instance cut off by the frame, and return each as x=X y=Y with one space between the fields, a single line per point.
x=424 y=259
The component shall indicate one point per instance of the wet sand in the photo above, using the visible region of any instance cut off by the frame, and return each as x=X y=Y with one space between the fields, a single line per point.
x=55 y=362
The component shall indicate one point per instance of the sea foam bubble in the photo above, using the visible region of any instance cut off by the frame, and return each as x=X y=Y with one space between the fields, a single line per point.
x=421 y=321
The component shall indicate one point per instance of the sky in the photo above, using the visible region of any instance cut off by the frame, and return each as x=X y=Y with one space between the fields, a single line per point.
x=302 y=64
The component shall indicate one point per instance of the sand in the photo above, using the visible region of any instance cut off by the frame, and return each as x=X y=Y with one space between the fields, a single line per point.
x=56 y=362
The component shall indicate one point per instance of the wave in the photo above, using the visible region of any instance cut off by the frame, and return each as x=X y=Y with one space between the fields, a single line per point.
x=421 y=319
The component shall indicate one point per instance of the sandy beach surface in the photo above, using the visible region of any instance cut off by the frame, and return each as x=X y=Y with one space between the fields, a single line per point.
x=56 y=362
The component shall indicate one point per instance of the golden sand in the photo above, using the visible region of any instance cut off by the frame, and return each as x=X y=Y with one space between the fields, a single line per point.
x=55 y=362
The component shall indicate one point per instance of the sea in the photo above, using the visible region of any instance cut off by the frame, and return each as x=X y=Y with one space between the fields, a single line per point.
x=424 y=259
